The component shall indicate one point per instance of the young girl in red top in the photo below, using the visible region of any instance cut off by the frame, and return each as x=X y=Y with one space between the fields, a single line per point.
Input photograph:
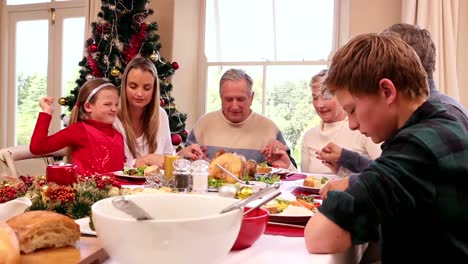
x=94 y=145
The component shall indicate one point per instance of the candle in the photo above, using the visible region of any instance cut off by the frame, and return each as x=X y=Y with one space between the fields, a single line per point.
x=63 y=174
x=169 y=165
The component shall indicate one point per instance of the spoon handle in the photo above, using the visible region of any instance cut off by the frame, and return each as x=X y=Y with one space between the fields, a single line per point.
x=131 y=208
x=230 y=174
x=266 y=200
x=249 y=199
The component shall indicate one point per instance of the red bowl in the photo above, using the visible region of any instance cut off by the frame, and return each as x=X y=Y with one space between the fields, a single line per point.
x=252 y=227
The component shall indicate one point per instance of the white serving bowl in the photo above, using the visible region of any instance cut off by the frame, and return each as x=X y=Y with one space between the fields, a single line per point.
x=188 y=228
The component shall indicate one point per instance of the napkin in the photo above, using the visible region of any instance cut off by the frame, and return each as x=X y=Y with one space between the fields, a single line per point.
x=294 y=177
x=129 y=182
x=279 y=230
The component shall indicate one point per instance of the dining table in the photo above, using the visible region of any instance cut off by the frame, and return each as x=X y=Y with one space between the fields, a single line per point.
x=283 y=244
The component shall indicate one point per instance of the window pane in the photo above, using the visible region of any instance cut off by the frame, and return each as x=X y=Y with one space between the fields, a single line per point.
x=237 y=33
x=73 y=41
x=23 y=2
x=289 y=102
x=268 y=30
x=31 y=74
x=304 y=29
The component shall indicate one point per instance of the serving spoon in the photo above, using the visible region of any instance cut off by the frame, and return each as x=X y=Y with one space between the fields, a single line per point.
x=131 y=208
x=274 y=187
x=232 y=175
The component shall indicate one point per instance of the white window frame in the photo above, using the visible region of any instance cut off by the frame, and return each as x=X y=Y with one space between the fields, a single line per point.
x=340 y=36
x=8 y=96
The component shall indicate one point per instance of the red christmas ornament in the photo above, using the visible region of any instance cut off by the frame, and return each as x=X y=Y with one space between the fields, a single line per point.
x=185 y=131
x=93 y=47
x=175 y=65
x=176 y=139
x=161 y=102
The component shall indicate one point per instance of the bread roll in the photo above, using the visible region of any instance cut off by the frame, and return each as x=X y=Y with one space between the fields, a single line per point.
x=312 y=182
x=44 y=229
x=9 y=245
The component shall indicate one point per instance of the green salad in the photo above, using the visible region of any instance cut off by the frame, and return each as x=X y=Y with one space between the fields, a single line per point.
x=140 y=171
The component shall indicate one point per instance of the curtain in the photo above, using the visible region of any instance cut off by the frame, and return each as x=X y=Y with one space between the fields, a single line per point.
x=440 y=18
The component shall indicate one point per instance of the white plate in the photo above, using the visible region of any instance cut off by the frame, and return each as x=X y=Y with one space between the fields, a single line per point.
x=122 y=174
x=318 y=176
x=300 y=183
x=84 y=226
x=291 y=218
x=274 y=171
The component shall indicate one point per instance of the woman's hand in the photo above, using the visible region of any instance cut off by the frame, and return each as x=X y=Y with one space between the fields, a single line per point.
x=150 y=159
x=330 y=155
x=272 y=148
x=193 y=152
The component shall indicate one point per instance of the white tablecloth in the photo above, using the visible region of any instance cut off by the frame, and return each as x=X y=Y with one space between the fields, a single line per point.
x=288 y=250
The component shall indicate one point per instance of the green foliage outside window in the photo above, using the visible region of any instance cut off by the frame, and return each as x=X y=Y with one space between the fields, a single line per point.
x=30 y=89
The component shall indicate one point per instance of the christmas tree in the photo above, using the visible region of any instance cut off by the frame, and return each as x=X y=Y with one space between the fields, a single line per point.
x=122 y=33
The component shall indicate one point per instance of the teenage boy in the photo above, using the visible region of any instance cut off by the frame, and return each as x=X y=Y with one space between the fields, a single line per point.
x=417 y=190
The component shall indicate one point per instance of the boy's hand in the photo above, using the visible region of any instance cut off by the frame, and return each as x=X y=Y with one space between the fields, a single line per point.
x=330 y=153
x=334 y=185
x=46 y=104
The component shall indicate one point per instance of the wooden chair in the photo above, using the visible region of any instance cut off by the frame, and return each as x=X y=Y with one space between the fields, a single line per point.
x=9 y=156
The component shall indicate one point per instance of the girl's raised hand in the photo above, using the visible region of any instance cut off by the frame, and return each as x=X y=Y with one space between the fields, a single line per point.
x=46 y=104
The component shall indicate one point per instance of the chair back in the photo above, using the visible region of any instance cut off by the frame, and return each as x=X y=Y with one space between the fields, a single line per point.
x=9 y=156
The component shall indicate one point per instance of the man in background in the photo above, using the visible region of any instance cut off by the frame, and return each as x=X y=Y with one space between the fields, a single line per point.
x=235 y=127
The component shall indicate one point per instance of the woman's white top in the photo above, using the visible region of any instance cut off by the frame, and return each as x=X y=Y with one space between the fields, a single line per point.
x=163 y=139
x=339 y=133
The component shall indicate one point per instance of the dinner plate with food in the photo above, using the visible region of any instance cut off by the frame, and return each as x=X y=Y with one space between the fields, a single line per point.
x=138 y=173
x=296 y=211
x=238 y=166
x=313 y=183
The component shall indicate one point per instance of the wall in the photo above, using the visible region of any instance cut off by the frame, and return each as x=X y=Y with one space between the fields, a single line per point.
x=462 y=53
x=372 y=16
x=164 y=16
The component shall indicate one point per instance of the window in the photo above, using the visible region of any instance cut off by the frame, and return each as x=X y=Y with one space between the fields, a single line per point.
x=281 y=44
x=45 y=45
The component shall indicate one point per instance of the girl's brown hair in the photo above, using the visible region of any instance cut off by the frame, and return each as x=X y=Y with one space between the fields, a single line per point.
x=151 y=112
x=368 y=58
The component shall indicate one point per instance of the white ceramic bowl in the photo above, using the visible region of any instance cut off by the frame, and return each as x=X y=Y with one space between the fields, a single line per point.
x=188 y=228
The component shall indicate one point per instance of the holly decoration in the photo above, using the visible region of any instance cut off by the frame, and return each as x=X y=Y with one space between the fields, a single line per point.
x=74 y=201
